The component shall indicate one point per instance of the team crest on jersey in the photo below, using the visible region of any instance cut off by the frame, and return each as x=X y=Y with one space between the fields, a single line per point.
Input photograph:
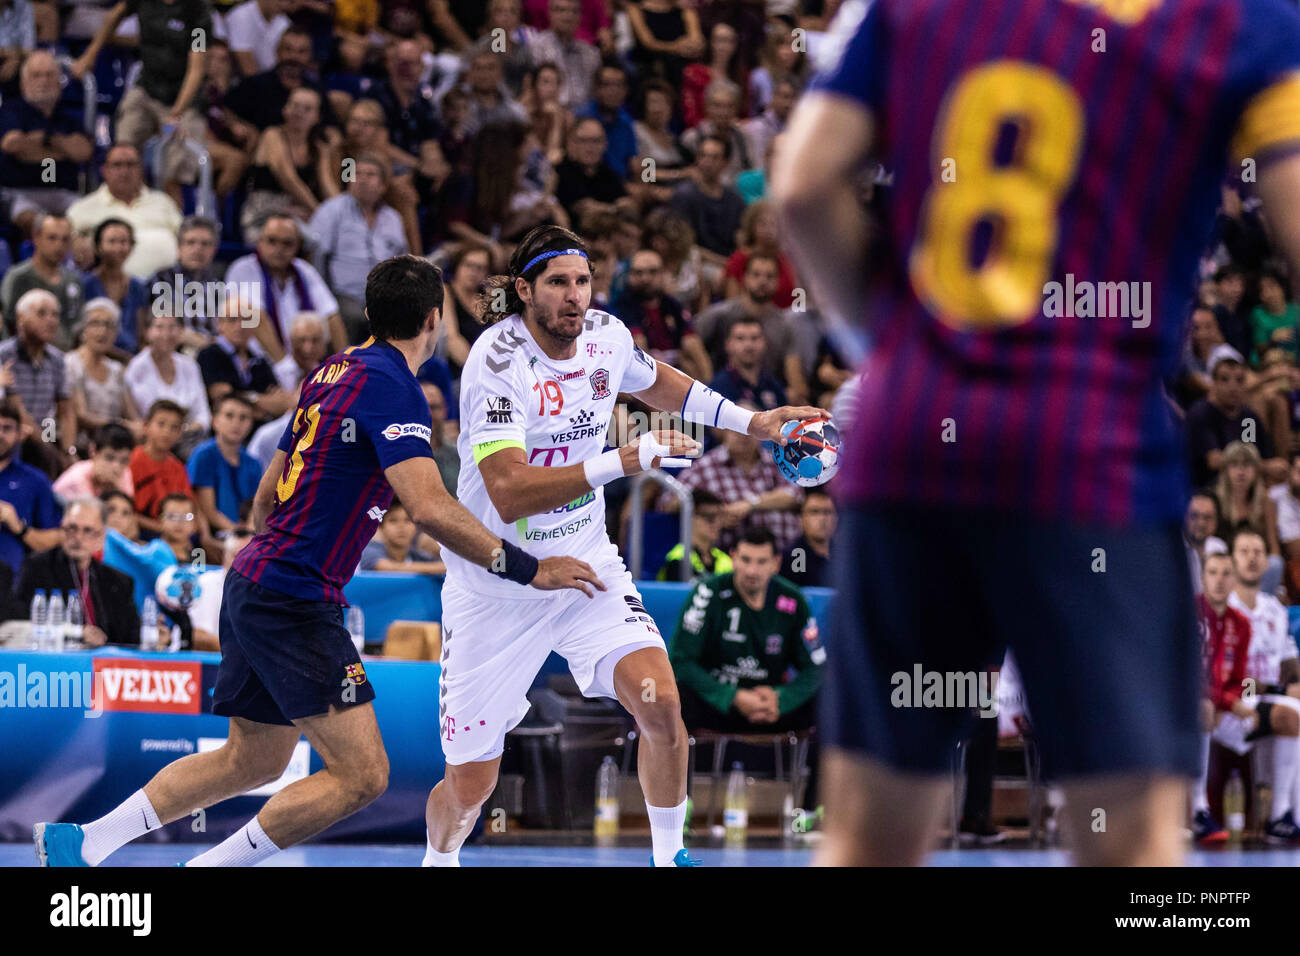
x=356 y=673
x=599 y=384
x=395 y=431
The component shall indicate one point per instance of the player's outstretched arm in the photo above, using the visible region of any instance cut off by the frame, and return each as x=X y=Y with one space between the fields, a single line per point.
x=419 y=486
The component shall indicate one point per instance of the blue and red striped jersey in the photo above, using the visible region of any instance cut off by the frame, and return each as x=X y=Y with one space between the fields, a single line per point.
x=361 y=411
x=1056 y=167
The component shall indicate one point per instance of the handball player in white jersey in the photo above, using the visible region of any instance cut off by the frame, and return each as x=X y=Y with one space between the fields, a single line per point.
x=537 y=393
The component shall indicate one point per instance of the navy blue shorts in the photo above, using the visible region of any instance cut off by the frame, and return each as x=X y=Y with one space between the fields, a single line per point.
x=283 y=657
x=1110 y=660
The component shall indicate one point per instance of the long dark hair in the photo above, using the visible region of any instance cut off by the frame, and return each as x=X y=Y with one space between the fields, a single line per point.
x=496 y=169
x=539 y=239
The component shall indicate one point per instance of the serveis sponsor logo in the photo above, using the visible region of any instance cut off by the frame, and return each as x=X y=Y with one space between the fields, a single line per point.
x=395 y=431
x=152 y=687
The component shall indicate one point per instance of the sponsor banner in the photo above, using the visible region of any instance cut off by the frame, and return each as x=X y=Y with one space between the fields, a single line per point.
x=148 y=686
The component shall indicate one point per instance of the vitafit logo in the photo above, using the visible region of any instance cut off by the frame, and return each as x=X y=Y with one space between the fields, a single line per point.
x=148 y=687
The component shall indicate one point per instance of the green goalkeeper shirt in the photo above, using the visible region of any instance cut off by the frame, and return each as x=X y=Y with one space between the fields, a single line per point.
x=722 y=645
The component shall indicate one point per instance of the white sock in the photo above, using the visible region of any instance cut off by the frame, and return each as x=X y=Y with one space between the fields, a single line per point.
x=666 y=825
x=244 y=847
x=433 y=857
x=134 y=817
x=1200 y=801
x=1286 y=760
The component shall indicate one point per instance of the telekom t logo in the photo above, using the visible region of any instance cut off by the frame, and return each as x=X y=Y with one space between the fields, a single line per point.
x=550 y=455
x=591 y=349
x=449 y=727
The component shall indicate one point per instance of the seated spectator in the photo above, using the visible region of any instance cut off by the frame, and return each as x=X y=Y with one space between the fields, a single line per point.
x=205 y=612
x=46 y=271
x=1232 y=307
x=107 y=470
x=752 y=490
x=260 y=98
x=511 y=43
x=152 y=214
x=1199 y=524
x=119 y=514
x=722 y=60
x=36 y=130
x=161 y=372
x=230 y=140
x=830 y=371
x=667 y=36
x=742 y=376
x=288 y=167
x=253 y=30
x=29 y=513
x=392 y=547
x=807 y=561
x=18 y=35
x=236 y=364
x=1286 y=507
x=36 y=379
x=467 y=269
x=222 y=474
x=1273 y=322
x=1244 y=503
x=1222 y=417
x=760 y=235
x=656 y=141
x=722 y=111
x=783 y=60
x=687 y=277
x=307 y=338
x=609 y=107
x=711 y=207
x=1202 y=336
x=179 y=520
x=549 y=120
x=577 y=59
x=488 y=98
x=445 y=455
x=192 y=272
x=284 y=286
x=763 y=129
x=354 y=233
x=108 y=607
x=585 y=183
x=705 y=557
x=114 y=240
x=436 y=372
x=746 y=653
x=155 y=471
x=266 y=439
x=658 y=321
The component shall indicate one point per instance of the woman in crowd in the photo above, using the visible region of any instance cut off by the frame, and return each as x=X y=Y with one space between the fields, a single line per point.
x=549 y=120
x=668 y=234
x=467 y=269
x=760 y=235
x=668 y=36
x=289 y=166
x=781 y=57
x=97 y=381
x=162 y=372
x=655 y=140
x=114 y=242
x=230 y=139
x=1244 y=503
x=723 y=62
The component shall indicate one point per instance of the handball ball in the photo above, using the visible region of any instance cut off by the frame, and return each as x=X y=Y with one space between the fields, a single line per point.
x=811 y=455
x=177 y=587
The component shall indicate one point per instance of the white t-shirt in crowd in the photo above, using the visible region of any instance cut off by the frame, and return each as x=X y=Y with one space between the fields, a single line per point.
x=248 y=31
x=188 y=391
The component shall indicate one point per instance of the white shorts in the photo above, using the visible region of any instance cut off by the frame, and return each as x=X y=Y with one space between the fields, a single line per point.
x=1231 y=730
x=492 y=650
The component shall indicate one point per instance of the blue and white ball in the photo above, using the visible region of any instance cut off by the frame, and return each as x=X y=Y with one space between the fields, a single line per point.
x=811 y=455
x=177 y=587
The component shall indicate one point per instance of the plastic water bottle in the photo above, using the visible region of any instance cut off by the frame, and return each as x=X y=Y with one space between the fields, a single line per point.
x=170 y=631
x=1234 y=808
x=607 y=799
x=149 y=626
x=54 y=626
x=735 y=814
x=76 y=631
x=40 y=612
x=356 y=622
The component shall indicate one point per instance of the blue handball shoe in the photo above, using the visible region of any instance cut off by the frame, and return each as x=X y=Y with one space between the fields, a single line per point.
x=58 y=844
x=681 y=859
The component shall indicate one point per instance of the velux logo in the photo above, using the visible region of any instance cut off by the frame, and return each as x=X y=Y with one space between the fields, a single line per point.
x=155 y=687
x=77 y=909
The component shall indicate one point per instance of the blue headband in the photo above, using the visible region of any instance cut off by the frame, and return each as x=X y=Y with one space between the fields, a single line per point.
x=549 y=255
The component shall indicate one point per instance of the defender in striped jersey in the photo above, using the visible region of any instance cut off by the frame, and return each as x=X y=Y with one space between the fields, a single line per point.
x=288 y=665
x=1056 y=168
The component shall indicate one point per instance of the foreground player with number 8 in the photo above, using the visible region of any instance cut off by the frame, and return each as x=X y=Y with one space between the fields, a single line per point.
x=537 y=393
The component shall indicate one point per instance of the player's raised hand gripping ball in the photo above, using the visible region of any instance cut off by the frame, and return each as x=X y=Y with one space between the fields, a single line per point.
x=811 y=453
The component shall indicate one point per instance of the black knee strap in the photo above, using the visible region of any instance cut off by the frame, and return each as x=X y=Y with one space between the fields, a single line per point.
x=1264 y=710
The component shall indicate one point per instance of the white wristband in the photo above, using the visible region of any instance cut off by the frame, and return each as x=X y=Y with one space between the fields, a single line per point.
x=604 y=468
x=707 y=407
x=731 y=416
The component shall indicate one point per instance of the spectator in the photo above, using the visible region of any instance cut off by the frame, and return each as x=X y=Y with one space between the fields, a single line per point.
x=686 y=275
x=155 y=471
x=760 y=235
x=722 y=62
x=667 y=36
x=752 y=490
x=584 y=182
x=656 y=141
x=29 y=514
x=161 y=372
x=222 y=474
x=807 y=562
x=657 y=321
x=288 y=166
x=266 y=439
x=468 y=268
x=609 y=107
x=830 y=372
x=17 y=36
x=549 y=119
x=236 y=364
x=260 y=98
x=743 y=376
x=152 y=214
x=1202 y=336
x=179 y=523
x=705 y=558
x=107 y=470
x=722 y=112
x=98 y=383
x=205 y=612
x=782 y=61
x=1222 y=417
x=1199 y=525
x=511 y=44
x=120 y=516
x=355 y=232
x=35 y=131
x=411 y=115
x=1244 y=504
x=763 y=129
x=594 y=25
x=1233 y=307
x=46 y=271
x=193 y=271
x=114 y=241
x=254 y=29
x=445 y=455
x=1273 y=322
x=1286 y=507
x=711 y=207
x=488 y=98
x=392 y=548
x=230 y=140
x=306 y=351
x=110 y=615
x=746 y=653
x=38 y=385
x=576 y=58
x=171 y=72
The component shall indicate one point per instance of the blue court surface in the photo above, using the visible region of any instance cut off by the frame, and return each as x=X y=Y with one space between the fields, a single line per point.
x=322 y=855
